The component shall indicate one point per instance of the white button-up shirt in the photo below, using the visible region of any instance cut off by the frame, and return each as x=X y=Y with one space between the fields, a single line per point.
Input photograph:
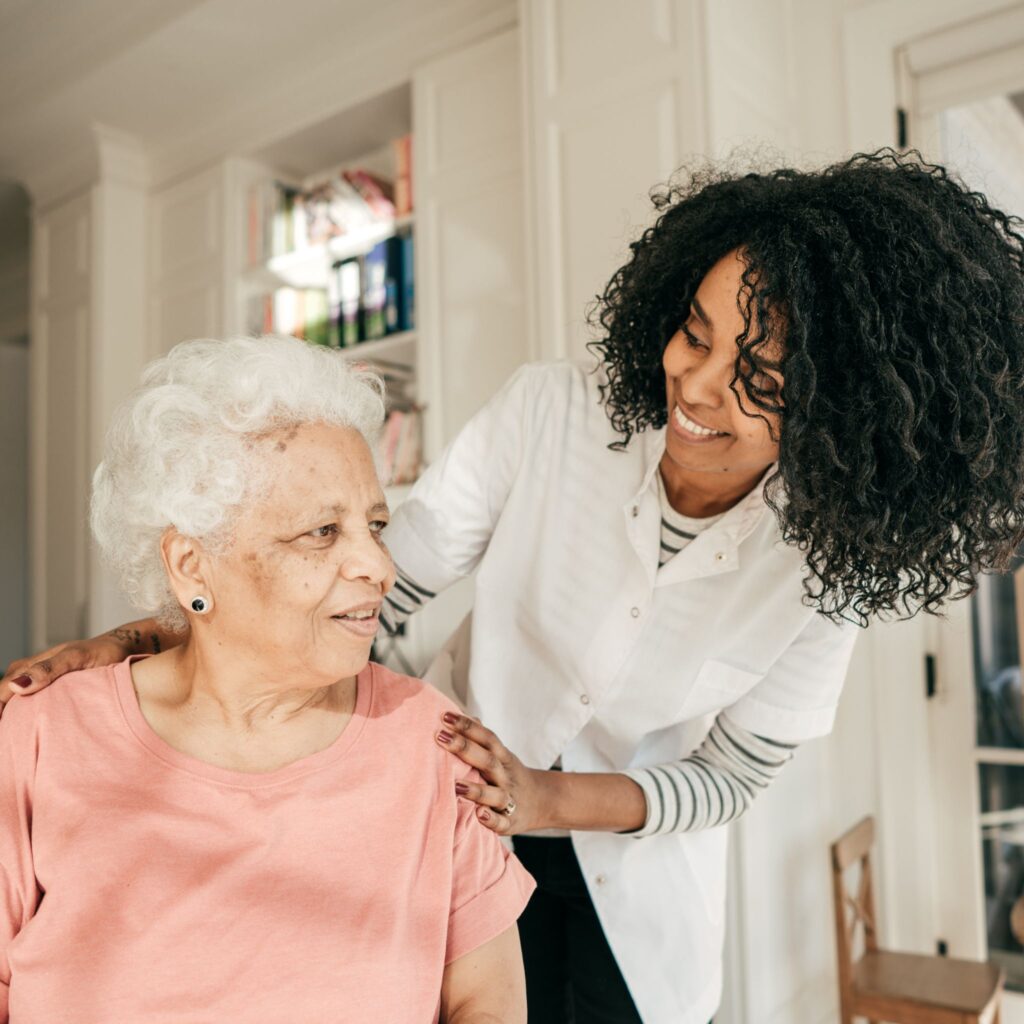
x=582 y=648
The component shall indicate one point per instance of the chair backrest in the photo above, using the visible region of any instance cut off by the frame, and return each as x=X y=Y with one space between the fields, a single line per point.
x=853 y=911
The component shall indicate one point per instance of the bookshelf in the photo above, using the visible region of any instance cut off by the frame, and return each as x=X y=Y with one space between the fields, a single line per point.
x=309 y=267
x=328 y=256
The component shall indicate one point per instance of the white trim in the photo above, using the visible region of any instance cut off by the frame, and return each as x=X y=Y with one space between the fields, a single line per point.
x=999 y=755
x=871 y=36
x=910 y=875
x=884 y=45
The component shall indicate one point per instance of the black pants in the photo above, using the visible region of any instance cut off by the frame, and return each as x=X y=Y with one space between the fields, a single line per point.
x=571 y=974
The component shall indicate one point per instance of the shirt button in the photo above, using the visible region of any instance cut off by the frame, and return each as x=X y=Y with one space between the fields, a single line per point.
x=601 y=879
x=719 y=556
x=584 y=699
x=635 y=612
x=636 y=511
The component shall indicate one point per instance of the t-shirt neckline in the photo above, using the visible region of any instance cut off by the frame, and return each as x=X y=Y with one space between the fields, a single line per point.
x=143 y=732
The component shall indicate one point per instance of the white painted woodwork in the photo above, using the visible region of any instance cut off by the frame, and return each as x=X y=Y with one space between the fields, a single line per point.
x=471 y=307
x=925 y=56
x=187 y=241
x=983 y=142
x=470 y=251
x=977 y=58
x=88 y=345
x=59 y=420
x=118 y=345
x=751 y=79
x=614 y=94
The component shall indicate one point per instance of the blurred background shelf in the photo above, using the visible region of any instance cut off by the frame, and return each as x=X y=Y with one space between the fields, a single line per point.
x=310 y=266
x=399 y=348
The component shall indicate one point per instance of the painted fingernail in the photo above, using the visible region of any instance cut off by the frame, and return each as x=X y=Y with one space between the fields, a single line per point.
x=485 y=815
x=444 y=737
x=22 y=682
x=461 y=788
x=451 y=718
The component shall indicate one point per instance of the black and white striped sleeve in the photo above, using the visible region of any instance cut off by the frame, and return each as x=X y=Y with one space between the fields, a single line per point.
x=405 y=598
x=714 y=785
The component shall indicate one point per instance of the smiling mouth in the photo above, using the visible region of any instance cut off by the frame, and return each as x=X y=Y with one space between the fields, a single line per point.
x=364 y=622
x=694 y=430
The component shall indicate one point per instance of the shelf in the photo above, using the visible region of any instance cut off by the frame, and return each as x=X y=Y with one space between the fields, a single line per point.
x=388 y=347
x=309 y=267
x=999 y=755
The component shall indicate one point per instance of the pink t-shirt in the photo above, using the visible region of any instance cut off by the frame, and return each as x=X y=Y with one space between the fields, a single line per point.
x=140 y=885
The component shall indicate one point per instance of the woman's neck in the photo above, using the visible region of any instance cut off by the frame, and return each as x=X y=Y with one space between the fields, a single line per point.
x=233 y=715
x=699 y=494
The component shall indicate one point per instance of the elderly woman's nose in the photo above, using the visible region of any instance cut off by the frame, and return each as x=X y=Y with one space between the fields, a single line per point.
x=367 y=559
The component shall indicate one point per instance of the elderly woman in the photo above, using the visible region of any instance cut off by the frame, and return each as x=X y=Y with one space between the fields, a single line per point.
x=256 y=825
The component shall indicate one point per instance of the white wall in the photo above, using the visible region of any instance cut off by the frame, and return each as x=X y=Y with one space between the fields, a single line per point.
x=14 y=307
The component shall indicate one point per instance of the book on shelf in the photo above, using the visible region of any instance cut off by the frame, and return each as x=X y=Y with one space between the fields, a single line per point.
x=302 y=312
x=402 y=148
x=378 y=193
x=282 y=218
x=400 y=453
x=400 y=275
x=374 y=296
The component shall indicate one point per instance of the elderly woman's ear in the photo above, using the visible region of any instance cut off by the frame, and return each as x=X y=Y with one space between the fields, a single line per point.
x=188 y=569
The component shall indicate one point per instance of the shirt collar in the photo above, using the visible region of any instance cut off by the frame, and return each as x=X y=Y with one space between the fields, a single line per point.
x=737 y=524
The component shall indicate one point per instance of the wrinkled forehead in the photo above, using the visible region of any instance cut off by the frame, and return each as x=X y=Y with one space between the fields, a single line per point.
x=300 y=467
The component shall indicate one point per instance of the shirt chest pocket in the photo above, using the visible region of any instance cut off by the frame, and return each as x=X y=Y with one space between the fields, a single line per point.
x=717 y=686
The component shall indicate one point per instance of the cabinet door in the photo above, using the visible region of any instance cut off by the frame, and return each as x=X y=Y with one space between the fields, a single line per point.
x=470 y=214
x=187 y=262
x=616 y=104
x=471 y=314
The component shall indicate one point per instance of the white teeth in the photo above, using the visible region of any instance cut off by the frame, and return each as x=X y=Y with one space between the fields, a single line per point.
x=358 y=615
x=694 y=428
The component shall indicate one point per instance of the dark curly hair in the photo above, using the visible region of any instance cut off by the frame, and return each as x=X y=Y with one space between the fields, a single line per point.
x=897 y=295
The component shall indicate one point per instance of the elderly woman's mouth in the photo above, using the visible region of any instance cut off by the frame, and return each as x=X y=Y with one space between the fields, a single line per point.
x=364 y=620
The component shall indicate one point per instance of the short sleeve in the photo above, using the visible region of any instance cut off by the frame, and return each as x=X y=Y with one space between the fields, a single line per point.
x=18 y=894
x=490 y=888
x=798 y=697
x=441 y=531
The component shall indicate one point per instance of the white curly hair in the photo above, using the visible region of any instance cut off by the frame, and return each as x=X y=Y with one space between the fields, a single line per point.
x=180 y=450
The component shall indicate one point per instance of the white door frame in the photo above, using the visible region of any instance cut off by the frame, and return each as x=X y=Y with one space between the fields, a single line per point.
x=875 y=40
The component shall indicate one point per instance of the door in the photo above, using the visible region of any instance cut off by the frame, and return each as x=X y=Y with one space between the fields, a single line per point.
x=961 y=96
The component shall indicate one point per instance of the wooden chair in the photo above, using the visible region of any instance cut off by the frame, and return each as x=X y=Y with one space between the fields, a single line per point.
x=899 y=988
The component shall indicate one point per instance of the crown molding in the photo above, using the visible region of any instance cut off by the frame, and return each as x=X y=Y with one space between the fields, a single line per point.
x=109 y=155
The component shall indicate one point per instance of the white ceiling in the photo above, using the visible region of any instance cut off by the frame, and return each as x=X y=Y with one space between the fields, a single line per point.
x=192 y=80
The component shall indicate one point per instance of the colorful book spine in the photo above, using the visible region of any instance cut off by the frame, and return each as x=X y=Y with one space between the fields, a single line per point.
x=350 y=295
x=375 y=269
x=403 y=175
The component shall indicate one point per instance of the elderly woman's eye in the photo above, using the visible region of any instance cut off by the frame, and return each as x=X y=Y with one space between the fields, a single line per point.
x=378 y=524
x=322 y=532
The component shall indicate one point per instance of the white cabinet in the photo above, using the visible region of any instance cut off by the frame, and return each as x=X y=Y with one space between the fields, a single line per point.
x=615 y=105
x=471 y=259
x=187 y=280
x=471 y=210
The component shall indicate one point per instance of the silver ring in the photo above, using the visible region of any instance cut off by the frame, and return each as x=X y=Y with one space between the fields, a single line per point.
x=509 y=808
